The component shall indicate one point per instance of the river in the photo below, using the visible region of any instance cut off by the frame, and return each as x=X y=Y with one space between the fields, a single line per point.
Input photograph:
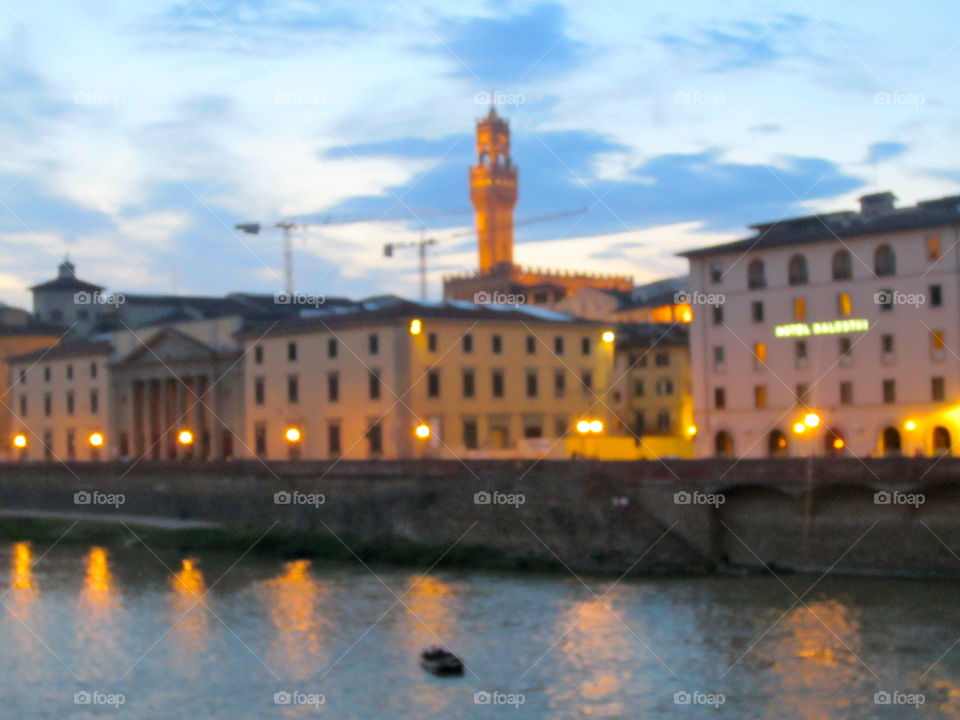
x=90 y=632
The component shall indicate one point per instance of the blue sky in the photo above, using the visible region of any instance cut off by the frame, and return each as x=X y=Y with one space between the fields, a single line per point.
x=136 y=135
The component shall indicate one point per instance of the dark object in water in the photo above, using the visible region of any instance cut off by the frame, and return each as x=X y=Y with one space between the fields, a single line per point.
x=440 y=661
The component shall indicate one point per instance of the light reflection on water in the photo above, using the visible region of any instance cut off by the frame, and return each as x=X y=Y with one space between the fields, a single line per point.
x=118 y=621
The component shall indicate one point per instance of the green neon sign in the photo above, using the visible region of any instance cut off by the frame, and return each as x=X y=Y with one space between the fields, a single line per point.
x=827 y=327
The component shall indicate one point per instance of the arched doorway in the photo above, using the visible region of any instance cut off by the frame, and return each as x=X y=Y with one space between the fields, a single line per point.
x=723 y=444
x=890 y=442
x=776 y=444
x=833 y=442
x=941 y=441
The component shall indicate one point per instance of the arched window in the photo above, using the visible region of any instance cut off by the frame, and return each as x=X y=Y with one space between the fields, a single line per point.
x=842 y=265
x=884 y=261
x=776 y=444
x=833 y=442
x=890 y=442
x=797 y=271
x=941 y=441
x=756 y=275
x=723 y=444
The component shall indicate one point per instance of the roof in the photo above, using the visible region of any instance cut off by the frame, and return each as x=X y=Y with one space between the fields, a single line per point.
x=836 y=226
x=66 y=349
x=32 y=329
x=632 y=335
x=66 y=283
x=389 y=308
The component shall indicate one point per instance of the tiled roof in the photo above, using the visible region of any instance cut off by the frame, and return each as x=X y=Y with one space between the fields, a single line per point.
x=66 y=349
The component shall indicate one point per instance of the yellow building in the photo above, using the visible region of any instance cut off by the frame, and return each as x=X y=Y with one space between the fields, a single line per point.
x=397 y=379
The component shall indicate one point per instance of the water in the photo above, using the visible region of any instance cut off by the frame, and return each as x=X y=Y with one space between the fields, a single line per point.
x=216 y=638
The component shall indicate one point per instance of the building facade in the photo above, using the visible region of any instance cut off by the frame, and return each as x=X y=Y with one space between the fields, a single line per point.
x=830 y=334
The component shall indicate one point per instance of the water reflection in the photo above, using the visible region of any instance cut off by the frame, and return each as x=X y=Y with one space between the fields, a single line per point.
x=298 y=607
x=99 y=628
x=191 y=628
x=21 y=603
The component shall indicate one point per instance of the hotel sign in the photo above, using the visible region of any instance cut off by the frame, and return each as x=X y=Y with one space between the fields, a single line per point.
x=828 y=327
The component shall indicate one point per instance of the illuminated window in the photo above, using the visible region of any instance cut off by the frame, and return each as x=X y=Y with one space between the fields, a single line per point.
x=933 y=248
x=760 y=396
x=844 y=306
x=799 y=308
x=760 y=352
x=936 y=339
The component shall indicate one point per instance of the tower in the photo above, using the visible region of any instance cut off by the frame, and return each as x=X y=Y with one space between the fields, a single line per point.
x=493 y=192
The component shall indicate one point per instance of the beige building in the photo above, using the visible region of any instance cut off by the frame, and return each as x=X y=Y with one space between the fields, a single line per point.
x=475 y=381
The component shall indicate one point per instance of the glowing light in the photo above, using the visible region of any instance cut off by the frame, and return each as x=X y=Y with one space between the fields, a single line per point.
x=185 y=437
x=811 y=420
x=691 y=430
x=416 y=326
x=583 y=427
x=910 y=425
x=686 y=316
x=422 y=431
x=293 y=435
x=838 y=444
x=596 y=426
x=829 y=327
x=799 y=428
x=95 y=439
x=608 y=336
x=20 y=441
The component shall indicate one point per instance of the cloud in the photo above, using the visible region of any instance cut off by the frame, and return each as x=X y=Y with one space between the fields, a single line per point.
x=882 y=151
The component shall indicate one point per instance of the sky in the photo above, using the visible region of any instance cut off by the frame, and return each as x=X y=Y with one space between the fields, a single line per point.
x=136 y=135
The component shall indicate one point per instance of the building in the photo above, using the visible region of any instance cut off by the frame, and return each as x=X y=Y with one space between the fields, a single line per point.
x=830 y=334
x=662 y=301
x=400 y=379
x=493 y=193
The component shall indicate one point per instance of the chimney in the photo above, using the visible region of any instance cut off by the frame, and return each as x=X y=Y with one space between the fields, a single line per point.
x=876 y=204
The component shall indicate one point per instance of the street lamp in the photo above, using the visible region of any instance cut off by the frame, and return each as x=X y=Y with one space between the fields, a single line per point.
x=185 y=437
x=799 y=428
x=811 y=420
x=95 y=439
x=416 y=326
x=910 y=425
x=608 y=336
x=422 y=431
x=20 y=441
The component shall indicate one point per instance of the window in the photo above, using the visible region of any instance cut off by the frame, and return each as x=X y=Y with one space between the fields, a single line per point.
x=846 y=393
x=496 y=344
x=845 y=347
x=531 y=345
x=663 y=421
x=260 y=438
x=23 y=376
x=889 y=391
x=47 y=404
x=558 y=345
x=69 y=371
x=70 y=402
x=293 y=390
x=937 y=345
x=332 y=345
x=586 y=381
x=433 y=383
x=844 y=305
x=884 y=298
x=375 y=438
x=431 y=342
x=466 y=343
x=46 y=374
x=292 y=351
x=259 y=391
x=559 y=383
x=662 y=359
x=716 y=273
x=470 y=435
x=759 y=396
x=373 y=382
x=585 y=346
x=933 y=248
x=373 y=344
x=333 y=439
x=258 y=355
x=937 y=392
x=23 y=406
x=71 y=445
x=886 y=344
x=496 y=380
x=93 y=370
x=532 y=388
x=800 y=352
x=801 y=392
x=936 y=295
x=759 y=353
x=638 y=388
x=719 y=355
x=469 y=384
x=560 y=426
x=642 y=362
x=717 y=313
x=797 y=273
x=48 y=445
x=333 y=387
x=720 y=398
x=94 y=402
x=639 y=425
x=842 y=265
x=884 y=261
x=756 y=311
x=756 y=275
x=664 y=386
x=799 y=308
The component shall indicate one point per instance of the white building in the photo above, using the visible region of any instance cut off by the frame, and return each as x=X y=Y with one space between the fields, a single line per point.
x=848 y=320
